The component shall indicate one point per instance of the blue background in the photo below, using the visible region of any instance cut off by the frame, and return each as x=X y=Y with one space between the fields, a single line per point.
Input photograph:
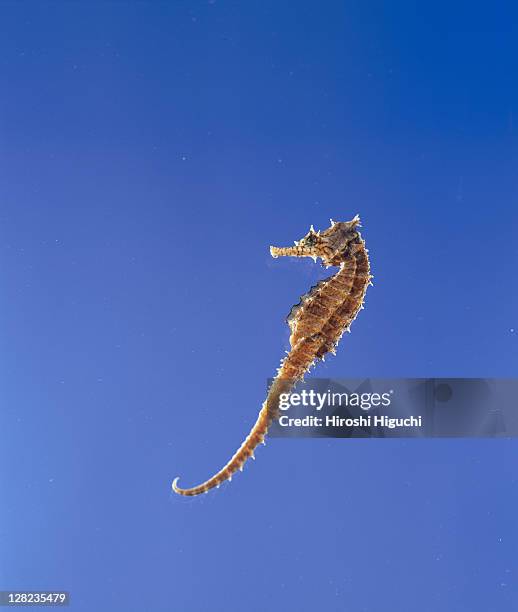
x=150 y=152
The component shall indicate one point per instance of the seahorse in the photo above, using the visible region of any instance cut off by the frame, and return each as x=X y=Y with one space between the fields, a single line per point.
x=316 y=324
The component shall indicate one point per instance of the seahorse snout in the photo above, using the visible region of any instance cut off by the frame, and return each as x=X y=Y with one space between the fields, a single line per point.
x=294 y=251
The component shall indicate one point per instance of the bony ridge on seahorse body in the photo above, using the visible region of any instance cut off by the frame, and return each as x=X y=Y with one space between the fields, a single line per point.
x=316 y=323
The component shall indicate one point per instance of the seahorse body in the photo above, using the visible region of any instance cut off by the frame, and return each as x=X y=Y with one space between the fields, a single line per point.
x=316 y=323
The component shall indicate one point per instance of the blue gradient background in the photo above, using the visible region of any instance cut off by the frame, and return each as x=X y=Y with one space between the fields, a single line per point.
x=150 y=152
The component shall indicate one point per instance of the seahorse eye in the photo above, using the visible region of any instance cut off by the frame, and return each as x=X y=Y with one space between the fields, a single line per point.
x=310 y=240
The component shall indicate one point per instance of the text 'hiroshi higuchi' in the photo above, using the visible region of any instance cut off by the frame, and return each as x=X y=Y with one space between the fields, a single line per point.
x=362 y=421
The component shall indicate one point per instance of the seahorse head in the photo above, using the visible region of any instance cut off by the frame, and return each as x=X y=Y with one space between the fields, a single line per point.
x=331 y=245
